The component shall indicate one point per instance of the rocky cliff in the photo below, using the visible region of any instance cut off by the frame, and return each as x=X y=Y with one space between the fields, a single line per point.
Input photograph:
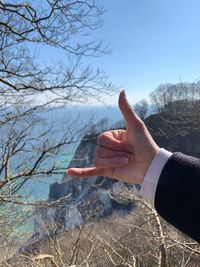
x=94 y=197
x=87 y=199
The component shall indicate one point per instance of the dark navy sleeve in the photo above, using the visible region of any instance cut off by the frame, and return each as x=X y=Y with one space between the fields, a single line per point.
x=177 y=197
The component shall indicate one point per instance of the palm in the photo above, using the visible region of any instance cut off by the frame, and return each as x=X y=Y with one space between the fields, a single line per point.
x=136 y=168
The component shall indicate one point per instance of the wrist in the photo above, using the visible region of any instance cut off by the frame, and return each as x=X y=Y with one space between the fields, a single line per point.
x=154 y=152
x=151 y=178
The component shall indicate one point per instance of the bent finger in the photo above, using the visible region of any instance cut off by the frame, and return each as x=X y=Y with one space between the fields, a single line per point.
x=110 y=162
x=104 y=152
x=109 y=141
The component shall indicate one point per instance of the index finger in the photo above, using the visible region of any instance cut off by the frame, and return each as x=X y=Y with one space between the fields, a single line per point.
x=86 y=172
x=110 y=142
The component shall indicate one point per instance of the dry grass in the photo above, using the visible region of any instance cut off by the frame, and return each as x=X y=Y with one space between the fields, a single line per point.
x=140 y=239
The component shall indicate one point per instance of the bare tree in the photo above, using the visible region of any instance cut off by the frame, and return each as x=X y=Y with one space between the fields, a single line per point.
x=26 y=86
x=66 y=25
x=141 y=108
x=141 y=238
x=31 y=145
x=180 y=99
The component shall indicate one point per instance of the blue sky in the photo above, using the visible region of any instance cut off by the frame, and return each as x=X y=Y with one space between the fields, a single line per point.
x=152 y=42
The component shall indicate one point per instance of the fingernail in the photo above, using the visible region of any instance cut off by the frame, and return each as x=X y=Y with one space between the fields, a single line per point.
x=124 y=94
x=123 y=161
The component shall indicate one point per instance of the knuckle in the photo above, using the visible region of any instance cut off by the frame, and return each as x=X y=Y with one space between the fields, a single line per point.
x=99 y=139
x=97 y=150
x=96 y=162
x=102 y=137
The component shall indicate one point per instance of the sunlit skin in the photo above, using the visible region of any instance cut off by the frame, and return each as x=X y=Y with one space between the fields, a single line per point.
x=122 y=154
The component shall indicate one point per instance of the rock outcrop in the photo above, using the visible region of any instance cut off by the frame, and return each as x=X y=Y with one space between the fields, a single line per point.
x=87 y=199
x=93 y=198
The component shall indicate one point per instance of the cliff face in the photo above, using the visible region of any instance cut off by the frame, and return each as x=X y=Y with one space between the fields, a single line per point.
x=86 y=198
x=93 y=198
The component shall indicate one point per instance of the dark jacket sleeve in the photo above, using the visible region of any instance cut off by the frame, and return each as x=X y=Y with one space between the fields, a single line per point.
x=177 y=197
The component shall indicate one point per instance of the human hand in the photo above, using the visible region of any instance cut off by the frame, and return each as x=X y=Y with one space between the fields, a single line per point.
x=122 y=154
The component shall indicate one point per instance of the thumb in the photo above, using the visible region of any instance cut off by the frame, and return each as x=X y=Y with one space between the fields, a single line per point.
x=131 y=118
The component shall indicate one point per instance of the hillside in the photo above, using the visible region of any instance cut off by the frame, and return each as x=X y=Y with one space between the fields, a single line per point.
x=176 y=133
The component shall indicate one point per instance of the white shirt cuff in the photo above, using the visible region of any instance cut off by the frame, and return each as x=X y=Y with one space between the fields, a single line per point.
x=148 y=188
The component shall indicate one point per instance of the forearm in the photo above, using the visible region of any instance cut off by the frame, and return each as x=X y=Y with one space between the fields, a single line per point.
x=173 y=183
x=177 y=197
